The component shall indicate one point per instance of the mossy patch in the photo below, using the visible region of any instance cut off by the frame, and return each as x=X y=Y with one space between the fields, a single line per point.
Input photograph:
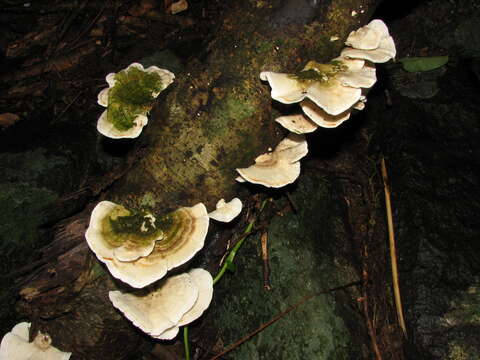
x=132 y=95
x=231 y=109
x=304 y=259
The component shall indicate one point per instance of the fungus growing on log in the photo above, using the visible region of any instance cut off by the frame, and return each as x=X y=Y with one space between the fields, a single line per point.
x=15 y=346
x=129 y=98
x=176 y=238
x=321 y=117
x=226 y=212
x=328 y=92
x=335 y=87
x=371 y=42
x=297 y=124
x=176 y=302
x=279 y=167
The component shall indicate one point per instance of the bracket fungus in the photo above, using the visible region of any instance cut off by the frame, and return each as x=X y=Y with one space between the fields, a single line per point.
x=139 y=248
x=279 y=167
x=129 y=98
x=329 y=92
x=335 y=87
x=297 y=124
x=15 y=346
x=321 y=117
x=371 y=42
x=226 y=212
x=176 y=302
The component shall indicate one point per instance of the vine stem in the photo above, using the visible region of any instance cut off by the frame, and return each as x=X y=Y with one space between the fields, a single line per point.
x=185 y=343
x=229 y=260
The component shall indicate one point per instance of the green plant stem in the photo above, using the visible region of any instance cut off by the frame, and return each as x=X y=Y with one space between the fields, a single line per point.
x=231 y=256
x=185 y=343
x=228 y=260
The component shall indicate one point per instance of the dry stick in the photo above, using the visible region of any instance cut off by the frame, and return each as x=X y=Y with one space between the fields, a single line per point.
x=266 y=264
x=281 y=315
x=370 y=327
x=393 y=255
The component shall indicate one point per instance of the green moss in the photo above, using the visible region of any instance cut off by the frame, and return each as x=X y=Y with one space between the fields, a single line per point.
x=132 y=95
x=124 y=225
x=148 y=200
x=230 y=109
x=319 y=73
x=304 y=259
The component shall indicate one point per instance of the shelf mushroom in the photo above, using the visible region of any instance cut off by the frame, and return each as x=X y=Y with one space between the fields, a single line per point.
x=297 y=123
x=226 y=212
x=371 y=42
x=329 y=92
x=15 y=346
x=139 y=248
x=335 y=87
x=129 y=98
x=177 y=301
x=279 y=167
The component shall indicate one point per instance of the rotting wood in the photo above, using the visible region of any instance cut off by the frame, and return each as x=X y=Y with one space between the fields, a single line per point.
x=226 y=130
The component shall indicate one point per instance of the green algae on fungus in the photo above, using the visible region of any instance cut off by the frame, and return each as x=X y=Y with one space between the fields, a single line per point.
x=125 y=234
x=149 y=246
x=129 y=98
x=125 y=225
x=316 y=72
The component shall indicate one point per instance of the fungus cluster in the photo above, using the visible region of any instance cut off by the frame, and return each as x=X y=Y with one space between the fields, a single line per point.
x=15 y=346
x=326 y=93
x=175 y=302
x=129 y=98
x=279 y=167
x=139 y=248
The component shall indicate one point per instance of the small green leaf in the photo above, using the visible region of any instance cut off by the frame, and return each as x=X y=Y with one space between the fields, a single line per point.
x=417 y=64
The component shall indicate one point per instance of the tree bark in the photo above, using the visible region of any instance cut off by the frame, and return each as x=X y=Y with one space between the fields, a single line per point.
x=217 y=116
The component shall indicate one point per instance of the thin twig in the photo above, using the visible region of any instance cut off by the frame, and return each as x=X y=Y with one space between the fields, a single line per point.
x=68 y=106
x=281 y=315
x=370 y=326
x=393 y=252
x=266 y=264
x=93 y=22
x=292 y=203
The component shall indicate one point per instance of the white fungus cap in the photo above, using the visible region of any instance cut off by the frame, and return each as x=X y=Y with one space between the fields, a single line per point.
x=334 y=98
x=337 y=91
x=105 y=127
x=371 y=42
x=358 y=74
x=15 y=346
x=280 y=167
x=177 y=301
x=226 y=212
x=97 y=235
x=183 y=238
x=297 y=124
x=321 y=117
